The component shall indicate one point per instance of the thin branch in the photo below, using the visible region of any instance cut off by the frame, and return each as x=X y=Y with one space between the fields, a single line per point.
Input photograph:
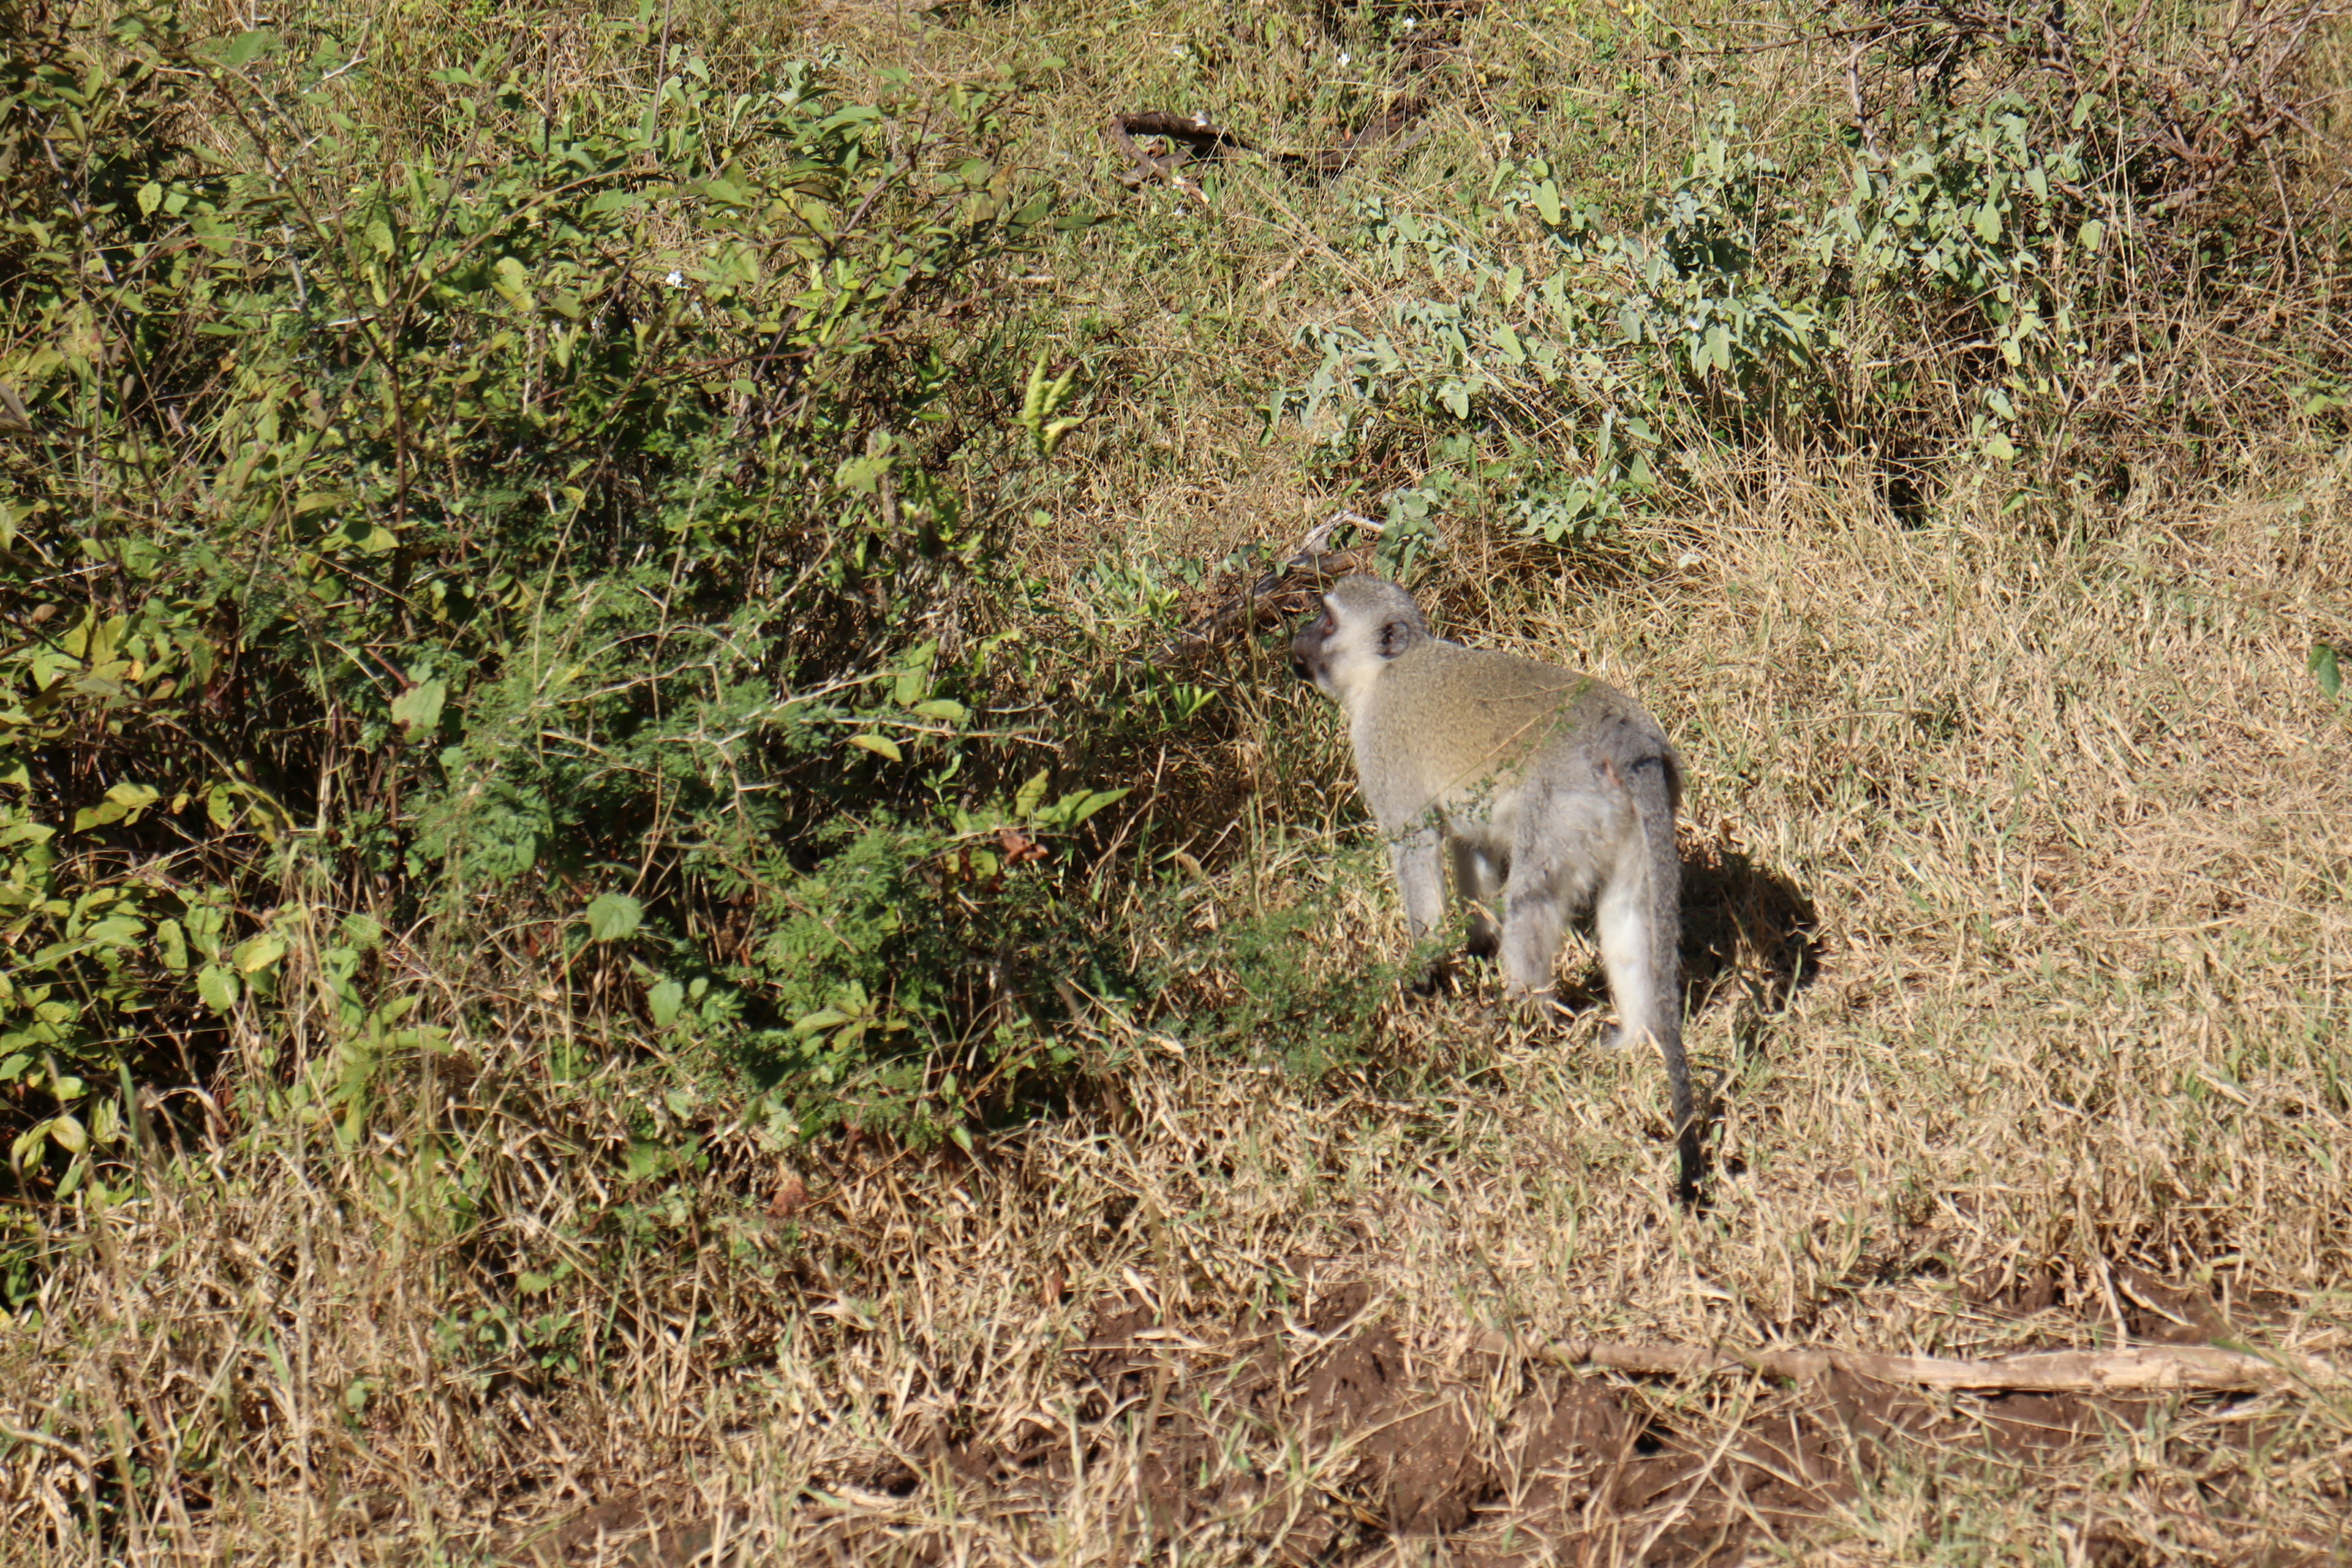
x=2150 y=1368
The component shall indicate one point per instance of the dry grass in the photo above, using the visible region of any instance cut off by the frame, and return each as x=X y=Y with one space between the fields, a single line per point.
x=2020 y=924
x=2064 y=1066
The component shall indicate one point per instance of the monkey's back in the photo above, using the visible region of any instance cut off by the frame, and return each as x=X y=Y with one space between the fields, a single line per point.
x=1499 y=718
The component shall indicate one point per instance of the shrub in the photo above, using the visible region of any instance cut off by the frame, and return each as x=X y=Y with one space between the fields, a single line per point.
x=513 y=541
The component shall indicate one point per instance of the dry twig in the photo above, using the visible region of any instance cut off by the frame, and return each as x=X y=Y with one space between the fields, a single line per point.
x=2147 y=1368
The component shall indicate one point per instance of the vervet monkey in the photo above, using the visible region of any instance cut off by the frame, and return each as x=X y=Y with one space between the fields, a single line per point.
x=1556 y=785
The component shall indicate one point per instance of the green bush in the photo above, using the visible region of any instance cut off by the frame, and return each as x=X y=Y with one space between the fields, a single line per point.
x=1966 y=275
x=513 y=540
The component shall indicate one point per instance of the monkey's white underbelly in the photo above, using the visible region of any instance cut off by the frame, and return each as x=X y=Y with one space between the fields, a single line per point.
x=1585 y=835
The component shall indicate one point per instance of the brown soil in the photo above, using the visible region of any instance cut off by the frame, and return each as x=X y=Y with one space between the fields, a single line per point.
x=1392 y=1450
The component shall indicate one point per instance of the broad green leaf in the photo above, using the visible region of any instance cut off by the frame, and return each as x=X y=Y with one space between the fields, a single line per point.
x=861 y=475
x=67 y=1128
x=253 y=956
x=944 y=709
x=49 y=664
x=150 y=197
x=99 y=816
x=247 y=47
x=511 y=279
x=1547 y=196
x=880 y=745
x=172 y=946
x=613 y=916
x=419 y=706
x=664 y=999
x=2090 y=234
x=1026 y=803
x=115 y=930
x=2325 y=669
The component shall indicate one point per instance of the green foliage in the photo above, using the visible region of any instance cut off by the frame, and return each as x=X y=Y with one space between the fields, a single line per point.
x=530 y=507
x=1256 y=983
x=1972 y=293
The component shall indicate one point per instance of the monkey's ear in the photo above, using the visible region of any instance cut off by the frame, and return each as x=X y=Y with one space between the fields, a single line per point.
x=1395 y=636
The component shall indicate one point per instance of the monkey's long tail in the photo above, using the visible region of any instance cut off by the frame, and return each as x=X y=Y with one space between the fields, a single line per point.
x=1651 y=783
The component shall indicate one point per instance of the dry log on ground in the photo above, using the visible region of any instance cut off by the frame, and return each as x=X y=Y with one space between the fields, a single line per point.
x=2144 y=1369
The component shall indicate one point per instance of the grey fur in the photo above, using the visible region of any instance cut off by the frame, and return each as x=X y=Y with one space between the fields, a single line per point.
x=1560 y=788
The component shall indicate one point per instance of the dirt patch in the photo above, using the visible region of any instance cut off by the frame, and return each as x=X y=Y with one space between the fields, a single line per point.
x=1320 y=1433
x=1314 y=1430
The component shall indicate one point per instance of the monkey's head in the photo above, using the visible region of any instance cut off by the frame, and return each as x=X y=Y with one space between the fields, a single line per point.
x=1366 y=624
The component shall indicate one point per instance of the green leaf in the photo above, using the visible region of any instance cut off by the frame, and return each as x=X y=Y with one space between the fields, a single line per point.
x=150 y=197
x=944 y=709
x=1024 y=805
x=511 y=279
x=861 y=475
x=614 y=916
x=880 y=745
x=2090 y=234
x=67 y=1128
x=1547 y=196
x=2325 y=669
x=50 y=665
x=247 y=47
x=172 y=946
x=1074 y=808
x=99 y=815
x=252 y=957
x=664 y=999
x=419 y=706
x=115 y=930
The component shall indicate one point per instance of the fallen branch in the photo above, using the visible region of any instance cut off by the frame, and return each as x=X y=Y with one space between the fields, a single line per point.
x=2150 y=1369
x=1285 y=591
x=1203 y=141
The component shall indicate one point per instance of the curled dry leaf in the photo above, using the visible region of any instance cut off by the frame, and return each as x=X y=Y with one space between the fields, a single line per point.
x=792 y=1197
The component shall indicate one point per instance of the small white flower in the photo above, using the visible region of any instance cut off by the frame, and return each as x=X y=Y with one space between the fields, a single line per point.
x=1343 y=57
x=676 y=279
x=1412 y=21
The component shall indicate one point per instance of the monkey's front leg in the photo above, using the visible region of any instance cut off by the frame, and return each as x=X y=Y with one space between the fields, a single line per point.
x=1417 y=855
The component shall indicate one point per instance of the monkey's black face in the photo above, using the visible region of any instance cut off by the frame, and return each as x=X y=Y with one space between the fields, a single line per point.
x=1306 y=647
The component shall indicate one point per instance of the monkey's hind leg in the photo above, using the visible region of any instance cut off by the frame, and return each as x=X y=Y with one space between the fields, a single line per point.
x=1474 y=887
x=1622 y=922
x=1535 y=910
